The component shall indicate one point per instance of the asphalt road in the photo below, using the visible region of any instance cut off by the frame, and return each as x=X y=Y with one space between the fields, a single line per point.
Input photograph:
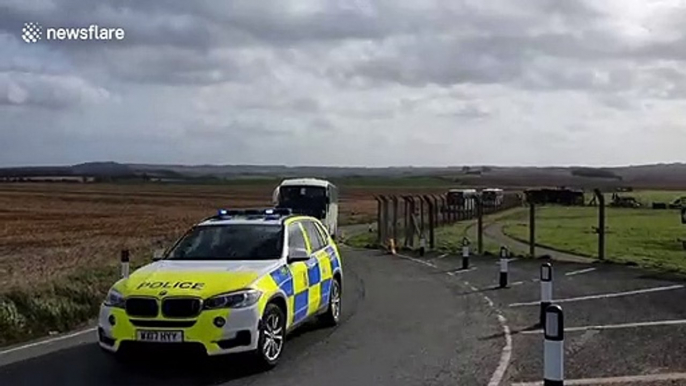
x=598 y=346
x=403 y=323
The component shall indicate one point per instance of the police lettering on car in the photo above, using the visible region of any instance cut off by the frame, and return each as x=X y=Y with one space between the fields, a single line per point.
x=169 y=285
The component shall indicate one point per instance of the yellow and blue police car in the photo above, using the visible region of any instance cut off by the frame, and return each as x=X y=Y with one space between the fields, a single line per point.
x=237 y=282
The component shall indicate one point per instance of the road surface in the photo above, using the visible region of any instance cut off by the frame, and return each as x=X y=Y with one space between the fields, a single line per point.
x=403 y=323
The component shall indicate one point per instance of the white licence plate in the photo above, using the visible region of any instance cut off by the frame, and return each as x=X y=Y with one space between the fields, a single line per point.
x=160 y=336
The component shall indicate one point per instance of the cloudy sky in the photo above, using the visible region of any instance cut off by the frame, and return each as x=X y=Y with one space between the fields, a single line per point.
x=347 y=82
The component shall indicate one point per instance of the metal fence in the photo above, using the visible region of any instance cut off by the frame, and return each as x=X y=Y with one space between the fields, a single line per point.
x=411 y=220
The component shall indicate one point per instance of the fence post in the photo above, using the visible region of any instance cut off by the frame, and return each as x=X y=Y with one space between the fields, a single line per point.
x=601 y=224
x=395 y=218
x=480 y=225
x=379 y=211
x=431 y=219
x=413 y=223
x=532 y=229
x=406 y=219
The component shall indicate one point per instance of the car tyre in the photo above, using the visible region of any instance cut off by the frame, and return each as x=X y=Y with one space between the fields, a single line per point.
x=332 y=316
x=272 y=337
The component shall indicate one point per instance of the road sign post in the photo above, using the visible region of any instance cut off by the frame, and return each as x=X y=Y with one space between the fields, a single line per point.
x=546 y=290
x=465 y=253
x=553 y=347
x=504 y=254
x=125 y=263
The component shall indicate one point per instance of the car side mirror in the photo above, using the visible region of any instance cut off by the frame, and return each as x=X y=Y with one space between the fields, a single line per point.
x=158 y=254
x=297 y=254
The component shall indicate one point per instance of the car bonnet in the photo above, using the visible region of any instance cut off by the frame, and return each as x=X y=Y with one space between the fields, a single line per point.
x=194 y=278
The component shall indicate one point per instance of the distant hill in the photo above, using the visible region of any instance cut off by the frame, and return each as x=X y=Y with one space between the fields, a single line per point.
x=641 y=176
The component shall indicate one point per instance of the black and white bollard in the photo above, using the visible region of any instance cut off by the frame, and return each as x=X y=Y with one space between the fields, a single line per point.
x=465 y=253
x=503 y=266
x=422 y=246
x=546 y=290
x=553 y=347
x=125 y=263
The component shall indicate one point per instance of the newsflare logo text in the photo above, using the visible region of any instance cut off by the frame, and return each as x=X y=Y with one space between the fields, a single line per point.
x=34 y=32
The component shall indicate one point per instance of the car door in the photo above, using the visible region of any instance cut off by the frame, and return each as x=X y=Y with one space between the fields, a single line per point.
x=300 y=301
x=318 y=268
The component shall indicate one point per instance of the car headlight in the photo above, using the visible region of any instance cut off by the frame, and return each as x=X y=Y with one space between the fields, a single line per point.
x=240 y=299
x=114 y=299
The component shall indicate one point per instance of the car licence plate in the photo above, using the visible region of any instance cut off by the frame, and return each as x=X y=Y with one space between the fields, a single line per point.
x=160 y=336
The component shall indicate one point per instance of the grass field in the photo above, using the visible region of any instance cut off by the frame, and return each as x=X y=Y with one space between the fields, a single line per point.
x=644 y=236
x=645 y=197
x=60 y=242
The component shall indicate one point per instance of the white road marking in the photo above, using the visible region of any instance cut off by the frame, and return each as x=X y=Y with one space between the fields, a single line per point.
x=52 y=340
x=461 y=271
x=604 y=296
x=617 y=326
x=499 y=373
x=418 y=261
x=506 y=355
x=508 y=260
x=489 y=301
x=517 y=283
x=615 y=380
x=442 y=256
x=581 y=271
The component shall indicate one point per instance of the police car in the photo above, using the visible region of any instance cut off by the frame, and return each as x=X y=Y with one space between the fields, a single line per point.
x=236 y=282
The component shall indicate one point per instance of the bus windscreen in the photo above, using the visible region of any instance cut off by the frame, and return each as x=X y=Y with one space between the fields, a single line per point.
x=307 y=200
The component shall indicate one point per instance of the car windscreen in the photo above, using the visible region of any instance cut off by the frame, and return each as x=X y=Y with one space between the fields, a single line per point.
x=230 y=242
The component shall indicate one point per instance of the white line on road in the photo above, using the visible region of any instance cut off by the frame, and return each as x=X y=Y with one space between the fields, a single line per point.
x=615 y=380
x=617 y=326
x=499 y=373
x=451 y=273
x=506 y=355
x=512 y=260
x=442 y=256
x=418 y=261
x=603 y=296
x=581 y=271
x=52 y=340
x=516 y=283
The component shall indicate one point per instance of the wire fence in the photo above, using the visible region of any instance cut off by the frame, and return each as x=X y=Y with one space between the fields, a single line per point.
x=410 y=221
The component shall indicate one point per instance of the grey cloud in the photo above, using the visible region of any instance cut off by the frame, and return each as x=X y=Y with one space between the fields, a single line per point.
x=48 y=91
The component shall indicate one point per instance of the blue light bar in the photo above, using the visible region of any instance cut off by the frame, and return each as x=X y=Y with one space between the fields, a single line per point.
x=269 y=212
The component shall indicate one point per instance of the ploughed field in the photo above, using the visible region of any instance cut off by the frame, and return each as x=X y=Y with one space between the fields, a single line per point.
x=50 y=230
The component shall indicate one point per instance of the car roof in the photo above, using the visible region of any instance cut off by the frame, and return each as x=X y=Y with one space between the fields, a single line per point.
x=253 y=220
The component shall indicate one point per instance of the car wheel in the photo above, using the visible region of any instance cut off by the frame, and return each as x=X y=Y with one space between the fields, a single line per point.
x=272 y=336
x=333 y=313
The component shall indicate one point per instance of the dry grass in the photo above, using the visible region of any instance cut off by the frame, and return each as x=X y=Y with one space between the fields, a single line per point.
x=48 y=231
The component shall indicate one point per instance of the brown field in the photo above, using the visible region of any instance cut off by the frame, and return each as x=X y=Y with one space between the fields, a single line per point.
x=48 y=230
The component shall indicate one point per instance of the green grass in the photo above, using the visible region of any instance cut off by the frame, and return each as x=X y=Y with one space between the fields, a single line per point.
x=449 y=238
x=645 y=197
x=644 y=236
x=362 y=240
